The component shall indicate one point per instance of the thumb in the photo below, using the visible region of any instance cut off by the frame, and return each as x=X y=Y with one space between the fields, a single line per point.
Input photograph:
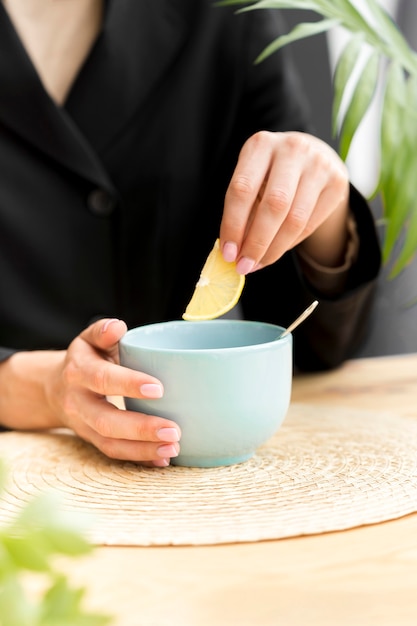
x=104 y=334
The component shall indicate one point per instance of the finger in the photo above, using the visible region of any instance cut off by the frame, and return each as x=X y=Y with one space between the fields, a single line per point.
x=246 y=182
x=105 y=334
x=126 y=434
x=303 y=216
x=138 y=451
x=112 y=423
x=328 y=243
x=149 y=453
x=272 y=211
x=105 y=378
x=86 y=367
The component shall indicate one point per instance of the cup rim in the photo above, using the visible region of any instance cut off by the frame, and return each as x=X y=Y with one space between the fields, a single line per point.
x=131 y=332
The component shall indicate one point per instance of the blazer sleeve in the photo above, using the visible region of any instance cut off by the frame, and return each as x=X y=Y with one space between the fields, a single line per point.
x=5 y=353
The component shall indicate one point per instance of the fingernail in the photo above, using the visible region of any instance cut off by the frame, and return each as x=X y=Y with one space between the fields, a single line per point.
x=167 y=451
x=168 y=434
x=161 y=463
x=151 y=390
x=229 y=251
x=245 y=265
x=107 y=324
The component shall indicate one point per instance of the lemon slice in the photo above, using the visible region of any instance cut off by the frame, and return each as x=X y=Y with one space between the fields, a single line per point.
x=218 y=289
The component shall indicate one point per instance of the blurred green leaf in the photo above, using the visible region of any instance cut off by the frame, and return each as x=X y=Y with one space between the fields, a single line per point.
x=396 y=193
x=40 y=511
x=301 y=31
x=62 y=607
x=345 y=65
x=361 y=99
x=41 y=531
x=389 y=31
x=67 y=541
x=27 y=552
x=398 y=175
x=355 y=22
x=393 y=156
x=15 y=607
x=407 y=214
x=393 y=227
x=45 y=515
x=392 y=119
x=409 y=246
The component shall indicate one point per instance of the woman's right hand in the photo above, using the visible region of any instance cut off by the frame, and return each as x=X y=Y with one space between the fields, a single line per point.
x=55 y=389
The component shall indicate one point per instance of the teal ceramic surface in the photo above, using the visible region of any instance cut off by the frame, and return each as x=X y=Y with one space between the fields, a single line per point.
x=227 y=384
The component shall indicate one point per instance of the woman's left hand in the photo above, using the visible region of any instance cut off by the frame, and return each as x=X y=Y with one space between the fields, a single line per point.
x=287 y=189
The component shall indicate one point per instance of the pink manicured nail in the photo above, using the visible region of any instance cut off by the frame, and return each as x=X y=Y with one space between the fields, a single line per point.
x=167 y=451
x=168 y=434
x=151 y=390
x=229 y=251
x=107 y=324
x=161 y=463
x=245 y=265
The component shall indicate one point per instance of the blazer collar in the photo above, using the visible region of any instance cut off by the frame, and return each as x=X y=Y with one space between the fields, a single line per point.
x=138 y=42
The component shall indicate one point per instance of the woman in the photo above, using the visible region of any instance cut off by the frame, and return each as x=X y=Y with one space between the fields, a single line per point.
x=132 y=134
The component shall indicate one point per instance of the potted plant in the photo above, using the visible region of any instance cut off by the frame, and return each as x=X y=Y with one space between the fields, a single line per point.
x=371 y=28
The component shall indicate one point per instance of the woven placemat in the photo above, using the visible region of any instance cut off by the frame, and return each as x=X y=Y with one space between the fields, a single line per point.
x=326 y=469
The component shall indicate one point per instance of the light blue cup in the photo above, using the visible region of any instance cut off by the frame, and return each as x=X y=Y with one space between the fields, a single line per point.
x=227 y=384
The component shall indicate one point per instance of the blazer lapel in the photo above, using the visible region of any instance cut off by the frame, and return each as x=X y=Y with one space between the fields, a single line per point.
x=27 y=108
x=139 y=42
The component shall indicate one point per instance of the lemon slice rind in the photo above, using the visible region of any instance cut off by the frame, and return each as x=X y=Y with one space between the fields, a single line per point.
x=218 y=289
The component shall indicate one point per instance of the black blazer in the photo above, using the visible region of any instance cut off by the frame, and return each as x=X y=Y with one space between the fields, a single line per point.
x=110 y=204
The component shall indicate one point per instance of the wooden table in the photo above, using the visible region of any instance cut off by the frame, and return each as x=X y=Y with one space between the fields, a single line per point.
x=363 y=577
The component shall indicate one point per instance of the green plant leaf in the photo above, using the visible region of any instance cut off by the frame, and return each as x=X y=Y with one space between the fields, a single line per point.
x=409 y=247
x=353 y=20
x=344 y=68
x=398 y=177
x=392 y=118
x=402 y=214
x=359 y=103
x=66 y=541
x=389 y=31
x=301 y=31
x=396 y=195
x=47 y=512
x=39 y=511
x=62 y=607
x=27 y=553
x=15 y=608
x=40 y=531
x=6 y=561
